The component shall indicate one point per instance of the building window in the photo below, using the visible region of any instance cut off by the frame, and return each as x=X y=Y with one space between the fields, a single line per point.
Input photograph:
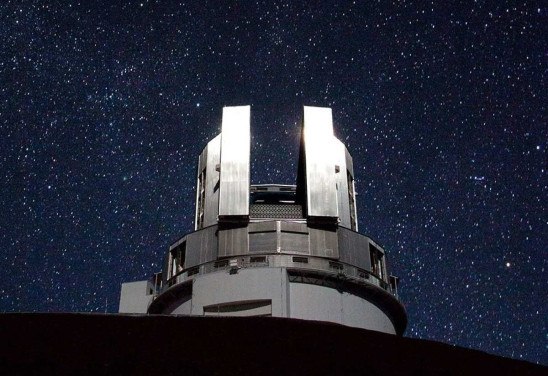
x=242 y=308
x=377 y=261
x=178 y=255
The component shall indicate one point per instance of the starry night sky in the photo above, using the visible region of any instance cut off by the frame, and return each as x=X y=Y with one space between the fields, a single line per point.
x=104 y=108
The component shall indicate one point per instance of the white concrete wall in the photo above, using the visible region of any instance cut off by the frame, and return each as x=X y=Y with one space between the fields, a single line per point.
x=134 y=297
x=246 y=285
x=313 y=302
x=294 y=300
x=183 y=309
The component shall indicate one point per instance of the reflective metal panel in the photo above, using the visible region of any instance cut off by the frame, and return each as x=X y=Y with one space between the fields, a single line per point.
x=319 y=149
x=346 y=198
x=235 y=148
x=293 y=227
x=354 y=248
x=207 y=185
x=323 y=242
x=201 y=246
x=349 y=162
x=211 y=209
x=233 y=240
x=294 y=242
x=263 y=242
x=351 y=191
x=342 y=184
x=200 y=196
x=263 y=226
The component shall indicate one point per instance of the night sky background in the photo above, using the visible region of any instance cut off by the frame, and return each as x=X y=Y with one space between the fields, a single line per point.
x=105 y=107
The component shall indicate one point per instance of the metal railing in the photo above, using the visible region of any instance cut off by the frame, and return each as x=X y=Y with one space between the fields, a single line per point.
x=333 y=268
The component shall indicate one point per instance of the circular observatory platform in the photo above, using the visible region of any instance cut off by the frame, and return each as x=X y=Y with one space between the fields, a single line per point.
x=290 y=251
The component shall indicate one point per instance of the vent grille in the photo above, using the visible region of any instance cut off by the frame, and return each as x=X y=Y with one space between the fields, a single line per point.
x=221 y=264
x=276 y=211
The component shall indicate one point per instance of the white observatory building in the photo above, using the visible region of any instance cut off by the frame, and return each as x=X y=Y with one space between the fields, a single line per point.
x=290 y=251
